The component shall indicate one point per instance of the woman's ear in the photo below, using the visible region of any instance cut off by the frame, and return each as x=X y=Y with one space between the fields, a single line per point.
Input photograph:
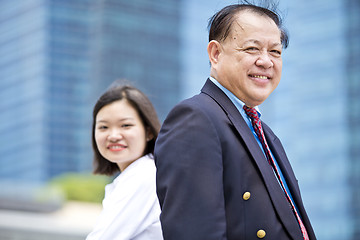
x=149 y=135
x=214 y=50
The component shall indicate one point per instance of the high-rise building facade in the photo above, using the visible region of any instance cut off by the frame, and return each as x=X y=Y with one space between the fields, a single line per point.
x=58 y=57
x=23 y=90
x=352 y=37
x=139 y=41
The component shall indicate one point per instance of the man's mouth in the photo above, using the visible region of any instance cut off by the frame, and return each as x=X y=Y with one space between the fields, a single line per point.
x=259 y=76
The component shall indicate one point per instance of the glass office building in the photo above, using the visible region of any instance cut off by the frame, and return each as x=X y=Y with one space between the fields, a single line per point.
x=23 y=90
x=353 y=112
x=59 y=56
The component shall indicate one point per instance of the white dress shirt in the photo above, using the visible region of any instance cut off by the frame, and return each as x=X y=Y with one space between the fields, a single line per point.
x=131 y=208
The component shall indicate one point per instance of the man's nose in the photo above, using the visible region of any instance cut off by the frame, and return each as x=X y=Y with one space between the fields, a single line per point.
x=264 y=61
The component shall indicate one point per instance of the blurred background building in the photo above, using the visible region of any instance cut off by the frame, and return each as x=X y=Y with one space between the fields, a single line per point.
x=58 y=56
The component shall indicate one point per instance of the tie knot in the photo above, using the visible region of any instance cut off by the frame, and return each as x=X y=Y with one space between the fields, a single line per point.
x=251 y=112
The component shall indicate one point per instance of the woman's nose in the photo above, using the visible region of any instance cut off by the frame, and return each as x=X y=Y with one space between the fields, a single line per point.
x=114 y=135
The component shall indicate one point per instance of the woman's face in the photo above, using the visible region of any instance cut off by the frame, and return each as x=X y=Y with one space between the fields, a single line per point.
x=120 y=134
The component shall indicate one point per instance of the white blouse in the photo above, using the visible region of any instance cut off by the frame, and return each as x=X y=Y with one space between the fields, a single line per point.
x=131 y=208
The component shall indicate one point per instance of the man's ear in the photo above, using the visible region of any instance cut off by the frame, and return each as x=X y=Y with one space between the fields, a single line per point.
x=214 y=50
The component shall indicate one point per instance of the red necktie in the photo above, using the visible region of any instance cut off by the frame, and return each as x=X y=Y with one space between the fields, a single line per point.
x=255 y=120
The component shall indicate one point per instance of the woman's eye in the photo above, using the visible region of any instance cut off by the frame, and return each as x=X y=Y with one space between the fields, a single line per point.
x=102 y=127
x=126 y=125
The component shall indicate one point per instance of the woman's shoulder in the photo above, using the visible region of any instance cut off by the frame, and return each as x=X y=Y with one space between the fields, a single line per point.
x=145 y=163
x=140 y=170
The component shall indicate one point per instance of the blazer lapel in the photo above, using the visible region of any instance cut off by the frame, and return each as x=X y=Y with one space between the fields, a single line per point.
x=280 y=155
x=276 y=193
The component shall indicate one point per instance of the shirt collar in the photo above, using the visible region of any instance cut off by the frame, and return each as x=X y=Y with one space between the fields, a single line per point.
x=236 y=101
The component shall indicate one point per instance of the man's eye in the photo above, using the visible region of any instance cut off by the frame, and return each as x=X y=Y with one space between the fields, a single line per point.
x=276 y=52
x=252 y=49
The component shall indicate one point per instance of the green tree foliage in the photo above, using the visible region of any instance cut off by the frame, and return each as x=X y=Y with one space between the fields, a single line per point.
x=81 y=186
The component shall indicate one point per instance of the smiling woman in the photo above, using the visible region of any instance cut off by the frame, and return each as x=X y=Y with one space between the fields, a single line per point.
x=125 y=128
x=120 y=133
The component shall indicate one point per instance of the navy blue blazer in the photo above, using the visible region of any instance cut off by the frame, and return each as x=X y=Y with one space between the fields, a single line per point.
x=214 y=182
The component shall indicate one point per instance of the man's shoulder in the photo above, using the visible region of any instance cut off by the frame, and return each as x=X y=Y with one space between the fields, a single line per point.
x=200 y=102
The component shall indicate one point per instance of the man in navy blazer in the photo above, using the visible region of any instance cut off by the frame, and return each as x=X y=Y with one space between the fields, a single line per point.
x=213 y=178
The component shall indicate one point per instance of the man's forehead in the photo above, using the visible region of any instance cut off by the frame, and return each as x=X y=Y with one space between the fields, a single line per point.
x=247 y=18
x=243 y=22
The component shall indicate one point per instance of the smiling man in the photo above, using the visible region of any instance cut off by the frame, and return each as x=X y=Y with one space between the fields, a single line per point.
x=221 y=171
